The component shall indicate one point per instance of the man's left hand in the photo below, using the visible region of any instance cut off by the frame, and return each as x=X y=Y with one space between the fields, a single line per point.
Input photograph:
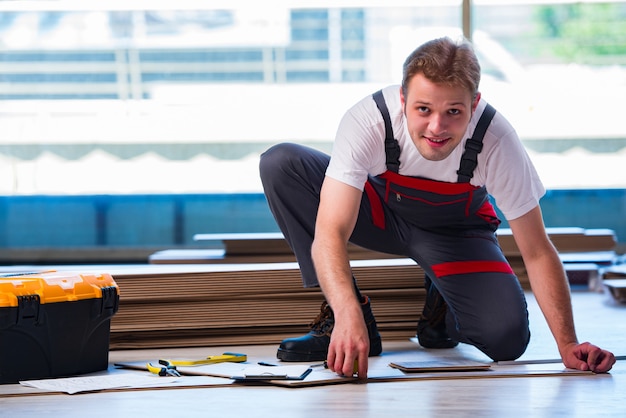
x=586 y=356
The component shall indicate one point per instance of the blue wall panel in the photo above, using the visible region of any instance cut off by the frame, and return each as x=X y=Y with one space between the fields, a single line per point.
x=594 y=208
x=139 y=220
x=587 y=208
x=225 y=213
x=173 y=220
x=48 y=221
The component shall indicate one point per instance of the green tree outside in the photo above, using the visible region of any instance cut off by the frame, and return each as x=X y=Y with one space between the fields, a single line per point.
x=585 y=33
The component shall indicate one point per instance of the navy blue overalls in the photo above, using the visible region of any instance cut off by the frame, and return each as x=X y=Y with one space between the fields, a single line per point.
x=447 y=228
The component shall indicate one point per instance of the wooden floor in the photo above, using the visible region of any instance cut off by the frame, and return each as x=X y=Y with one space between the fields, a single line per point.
x=599 y=319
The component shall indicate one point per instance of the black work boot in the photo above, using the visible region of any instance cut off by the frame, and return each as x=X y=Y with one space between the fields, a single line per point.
x=431 y=326
x=314 y=345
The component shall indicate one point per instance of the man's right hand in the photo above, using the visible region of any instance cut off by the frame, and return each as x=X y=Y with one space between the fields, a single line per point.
x=336 y=218
x=349 y=345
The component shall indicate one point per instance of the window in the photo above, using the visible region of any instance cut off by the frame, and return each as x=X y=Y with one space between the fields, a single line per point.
x=167 y=97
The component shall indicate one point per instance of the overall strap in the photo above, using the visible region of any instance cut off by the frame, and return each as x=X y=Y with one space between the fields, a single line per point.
x=474 y=146
x=392 y=148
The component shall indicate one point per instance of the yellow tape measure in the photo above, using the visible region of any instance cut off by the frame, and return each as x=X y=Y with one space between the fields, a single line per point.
x=225 y=357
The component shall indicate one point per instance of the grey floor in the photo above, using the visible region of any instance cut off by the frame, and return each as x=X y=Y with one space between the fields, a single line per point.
x=599 y=320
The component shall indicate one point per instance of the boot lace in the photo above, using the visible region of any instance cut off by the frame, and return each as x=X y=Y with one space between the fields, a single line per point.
x=325 y=320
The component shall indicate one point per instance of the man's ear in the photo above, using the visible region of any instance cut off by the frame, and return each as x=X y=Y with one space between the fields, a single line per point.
x=476 y=100
x=402 y=100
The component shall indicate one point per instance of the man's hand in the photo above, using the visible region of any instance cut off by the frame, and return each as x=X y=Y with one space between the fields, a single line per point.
x=336 y=217
x=551 y=289
x=586 y=356
x=349 y=346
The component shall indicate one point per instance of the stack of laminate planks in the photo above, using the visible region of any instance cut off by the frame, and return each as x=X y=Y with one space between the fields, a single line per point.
x=224 y=304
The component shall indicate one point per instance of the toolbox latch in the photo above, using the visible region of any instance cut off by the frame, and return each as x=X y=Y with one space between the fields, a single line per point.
x=28 y=310
x=110 y=300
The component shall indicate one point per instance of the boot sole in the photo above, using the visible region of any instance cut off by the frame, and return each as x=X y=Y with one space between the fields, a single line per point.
x=295 y=356
x=437 y=343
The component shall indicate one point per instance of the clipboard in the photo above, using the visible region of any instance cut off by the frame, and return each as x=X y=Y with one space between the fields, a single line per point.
x=264 y=373
x=439 y=366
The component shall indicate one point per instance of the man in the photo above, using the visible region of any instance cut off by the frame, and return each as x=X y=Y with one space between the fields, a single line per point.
x=405 y=179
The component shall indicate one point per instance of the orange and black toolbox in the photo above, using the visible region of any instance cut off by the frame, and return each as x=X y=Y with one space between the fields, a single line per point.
x=55 y=324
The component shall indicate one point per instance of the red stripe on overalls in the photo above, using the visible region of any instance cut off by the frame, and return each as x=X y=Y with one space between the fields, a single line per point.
x=487 y=211
x=427 y=185
x=465 y=267
x=378 y=216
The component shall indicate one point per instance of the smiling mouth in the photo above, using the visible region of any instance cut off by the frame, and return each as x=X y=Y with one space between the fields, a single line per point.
x=436 y=140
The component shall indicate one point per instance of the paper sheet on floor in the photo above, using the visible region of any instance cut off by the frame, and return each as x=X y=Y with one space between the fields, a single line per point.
x=74 y=385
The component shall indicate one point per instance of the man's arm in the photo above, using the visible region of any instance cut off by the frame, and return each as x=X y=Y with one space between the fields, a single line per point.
x=336 y=218
x=551 y=289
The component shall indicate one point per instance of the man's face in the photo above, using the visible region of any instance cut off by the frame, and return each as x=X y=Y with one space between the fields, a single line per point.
x=437 y=116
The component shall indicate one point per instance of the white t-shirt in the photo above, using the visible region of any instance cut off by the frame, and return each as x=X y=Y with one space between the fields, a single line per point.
x=503 y=164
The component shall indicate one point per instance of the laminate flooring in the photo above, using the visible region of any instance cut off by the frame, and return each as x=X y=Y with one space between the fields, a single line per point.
x=598 y=317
